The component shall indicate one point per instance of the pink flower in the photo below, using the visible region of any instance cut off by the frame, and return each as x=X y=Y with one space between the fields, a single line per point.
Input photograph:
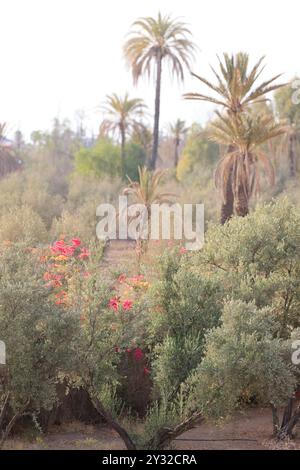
x=76 y=241
x=146 y=371
x=138 y=354
x=127 y=304
x=128 y=350
x=183 y=250
x=114 y=304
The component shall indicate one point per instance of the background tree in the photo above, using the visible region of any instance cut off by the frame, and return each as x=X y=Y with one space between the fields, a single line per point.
x=290 y=112
x=101 y=160
x=123 y=116
x=8 y=161
x=177 y=130
x=235 y=90
x=200 y=154
x=158 y=40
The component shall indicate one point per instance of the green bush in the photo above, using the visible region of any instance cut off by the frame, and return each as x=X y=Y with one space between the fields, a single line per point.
x=257 y=258
x=22 y=224
x=243 y=358
x=36 y=333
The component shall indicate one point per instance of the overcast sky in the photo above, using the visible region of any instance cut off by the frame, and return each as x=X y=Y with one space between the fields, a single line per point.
x=59 y=56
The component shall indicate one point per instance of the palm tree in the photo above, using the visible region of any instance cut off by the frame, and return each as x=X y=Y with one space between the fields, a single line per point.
x=177 y=130
x=147 y=191
x=123 y=116
x=158 y=40
x=235 y=90
x=241 y=166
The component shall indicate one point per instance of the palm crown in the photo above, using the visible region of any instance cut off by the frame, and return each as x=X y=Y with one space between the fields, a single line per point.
x=178 y=129
x=235 y=84
x=123 y=116
x=147 y=190
x=122 y=113
x=163 y=37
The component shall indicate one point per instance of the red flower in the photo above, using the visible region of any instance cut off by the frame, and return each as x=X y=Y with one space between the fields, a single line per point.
x=63 y=249
x=138 y=354
x=76 y=241
x=114 y=303
x=122 y=278
x=84 y=253
x=127 y=304
x=61 y=297
x=146 y=371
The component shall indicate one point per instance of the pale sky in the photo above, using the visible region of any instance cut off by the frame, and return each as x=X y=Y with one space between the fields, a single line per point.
x=59 y=56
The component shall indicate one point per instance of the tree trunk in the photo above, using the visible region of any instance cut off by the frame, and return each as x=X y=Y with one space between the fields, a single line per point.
x=165 y=435
x=11 y=424
x=176 y=155
x=292 y=155
x=289 y=421
x=114 y=424
x=123 y=156
x=241 y=204
x=156 y=114
x=227 y=204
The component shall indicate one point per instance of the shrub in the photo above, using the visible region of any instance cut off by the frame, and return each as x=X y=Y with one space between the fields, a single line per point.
x=243 y=358
x=36 y=334
x=22 y=224
x=257 y=258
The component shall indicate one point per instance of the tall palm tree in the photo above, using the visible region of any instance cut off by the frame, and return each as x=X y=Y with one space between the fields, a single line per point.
x=155 y=41
x=177 y=130
x=123 y=116
x=235 y=91
x=244 y=135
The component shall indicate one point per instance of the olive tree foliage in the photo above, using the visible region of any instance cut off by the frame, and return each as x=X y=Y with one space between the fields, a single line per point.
x=222 y=323
x=243 y=358
x=258 y=259
x=35 y=333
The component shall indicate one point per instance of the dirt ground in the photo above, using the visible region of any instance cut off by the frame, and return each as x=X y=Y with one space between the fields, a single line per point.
x=248 y=430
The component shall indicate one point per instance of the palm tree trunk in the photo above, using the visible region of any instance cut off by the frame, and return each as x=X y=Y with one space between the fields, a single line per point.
x=241 y=204
x=156 y=114
x=123 y=142
x=176 y=155
x=292 y=155
x=227 y=204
